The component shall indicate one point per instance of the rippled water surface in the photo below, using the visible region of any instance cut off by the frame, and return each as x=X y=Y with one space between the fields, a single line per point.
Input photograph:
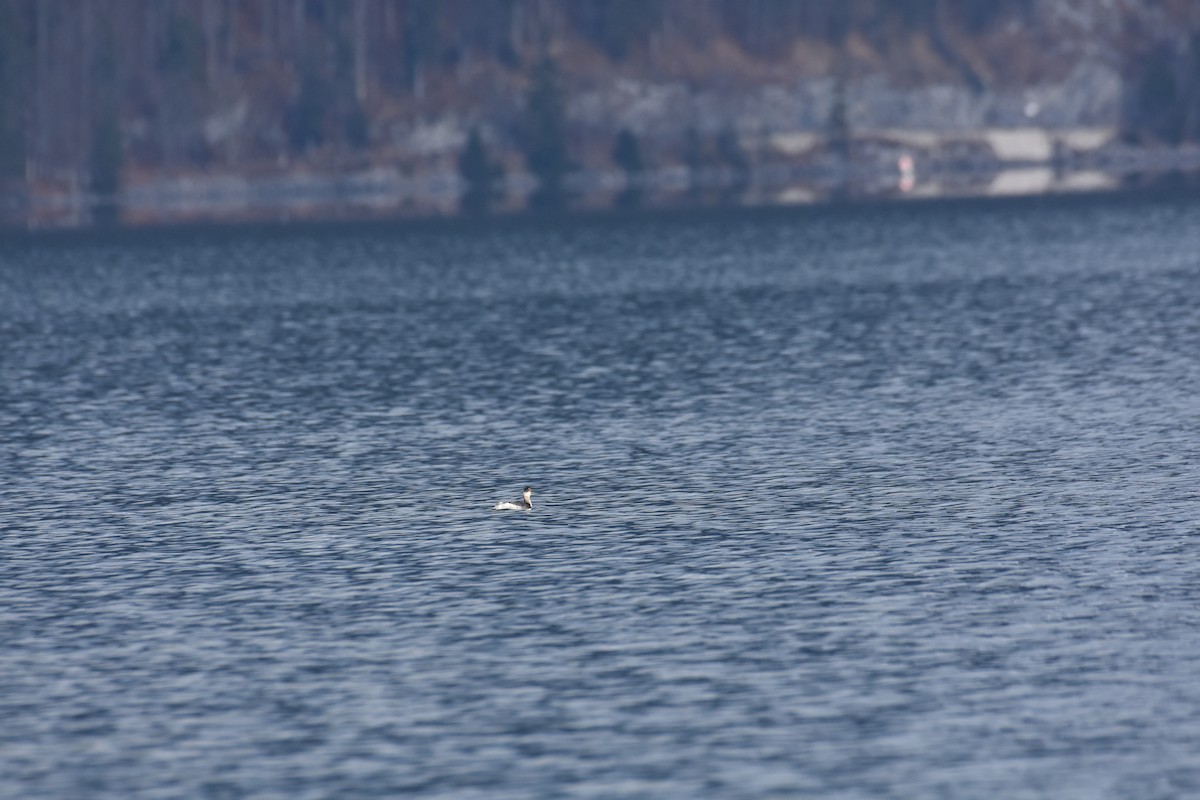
x=887 y=503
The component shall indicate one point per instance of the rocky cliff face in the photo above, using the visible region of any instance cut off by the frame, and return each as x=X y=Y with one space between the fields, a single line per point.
x=1090 y=95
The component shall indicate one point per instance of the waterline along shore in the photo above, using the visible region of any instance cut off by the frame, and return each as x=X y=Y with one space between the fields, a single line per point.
x=793 y=169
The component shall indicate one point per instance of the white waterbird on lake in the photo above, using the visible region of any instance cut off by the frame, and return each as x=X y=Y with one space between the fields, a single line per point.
x=524 y=504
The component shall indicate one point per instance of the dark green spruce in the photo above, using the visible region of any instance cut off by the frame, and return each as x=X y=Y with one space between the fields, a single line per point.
x=481 y=174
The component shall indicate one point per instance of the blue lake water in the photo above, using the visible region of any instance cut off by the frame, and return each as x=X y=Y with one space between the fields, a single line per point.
x=879 y=502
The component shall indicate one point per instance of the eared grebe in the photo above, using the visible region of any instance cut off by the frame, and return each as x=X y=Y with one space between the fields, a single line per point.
x=523 y=504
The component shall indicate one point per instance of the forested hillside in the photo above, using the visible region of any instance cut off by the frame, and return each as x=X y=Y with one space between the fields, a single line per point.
x=103 y=92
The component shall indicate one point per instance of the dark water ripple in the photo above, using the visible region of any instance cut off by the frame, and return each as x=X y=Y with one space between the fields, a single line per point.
x=896 y=503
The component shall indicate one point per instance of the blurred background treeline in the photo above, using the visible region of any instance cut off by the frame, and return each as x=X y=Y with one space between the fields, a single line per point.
x=227 y=107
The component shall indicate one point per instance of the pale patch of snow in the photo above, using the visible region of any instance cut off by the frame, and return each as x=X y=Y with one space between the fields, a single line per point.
x=433 y=137
x=226 y=123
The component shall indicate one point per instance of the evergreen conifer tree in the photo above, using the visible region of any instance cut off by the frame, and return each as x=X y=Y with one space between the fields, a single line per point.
x=729 y=149
x=626 y=152
x=16 y=58
x=628 y=156
x=306 y=120
x=839 y=121
x=546 y=137
x=480 y=173
x=105 y=160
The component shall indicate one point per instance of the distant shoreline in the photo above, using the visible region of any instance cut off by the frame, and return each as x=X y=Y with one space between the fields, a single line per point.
x=377 y=197
x=1165 y=191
